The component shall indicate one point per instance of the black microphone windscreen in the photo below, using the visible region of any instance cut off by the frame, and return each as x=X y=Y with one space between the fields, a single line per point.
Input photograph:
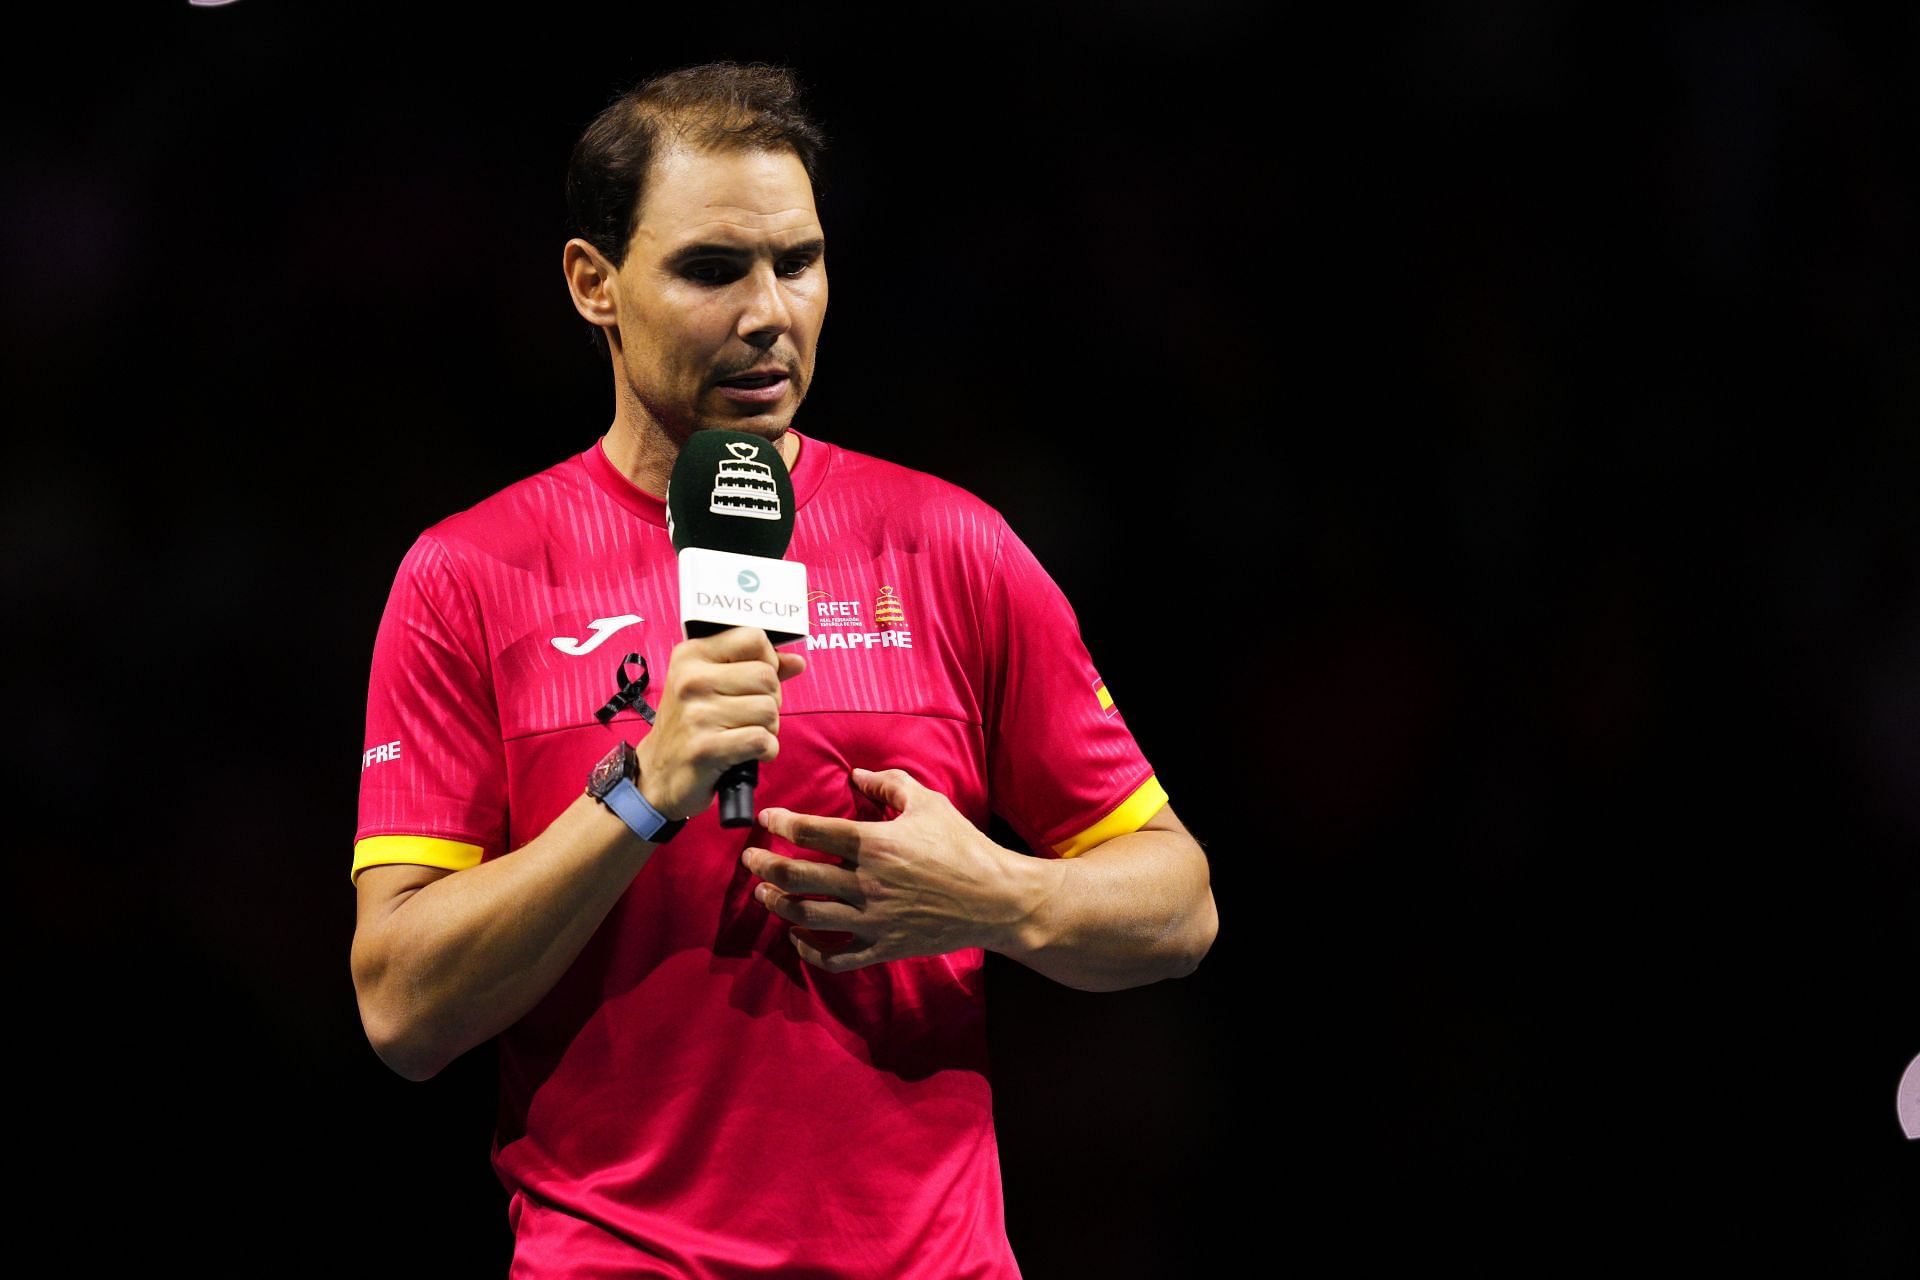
x=730 y=491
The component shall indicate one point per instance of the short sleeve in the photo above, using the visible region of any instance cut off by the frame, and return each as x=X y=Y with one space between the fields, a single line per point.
x=433 y=768
x=1062 y=766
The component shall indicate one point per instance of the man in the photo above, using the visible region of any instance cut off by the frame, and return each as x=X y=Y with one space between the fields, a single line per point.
x=722 y=1050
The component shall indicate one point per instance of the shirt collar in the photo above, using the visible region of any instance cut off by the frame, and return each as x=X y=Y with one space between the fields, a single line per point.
x=810 y=467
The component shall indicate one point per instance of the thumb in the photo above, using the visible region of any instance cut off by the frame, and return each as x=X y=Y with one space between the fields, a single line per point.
x=790 y=665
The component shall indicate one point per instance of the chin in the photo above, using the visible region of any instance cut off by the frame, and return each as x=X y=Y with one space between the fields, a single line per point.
x=766 y=430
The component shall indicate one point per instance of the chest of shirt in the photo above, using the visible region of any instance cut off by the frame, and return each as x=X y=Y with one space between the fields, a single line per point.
x=886 y=634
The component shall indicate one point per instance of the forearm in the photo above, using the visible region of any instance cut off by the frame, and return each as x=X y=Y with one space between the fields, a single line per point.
x=1130 y=911
x=466 y=956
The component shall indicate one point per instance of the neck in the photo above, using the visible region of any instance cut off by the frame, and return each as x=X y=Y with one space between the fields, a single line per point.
x=642 y=451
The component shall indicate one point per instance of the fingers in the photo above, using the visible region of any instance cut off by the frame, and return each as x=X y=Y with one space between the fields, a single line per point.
x=729 y=747
x=736 y=644
x=746 y=646
x=799 y=875
x=814 y=913
x=728 y=679
x=716 y=715
x=719 y=706
x=834 y=961
x=719 y=696
x=892 y=787
x=837 y=836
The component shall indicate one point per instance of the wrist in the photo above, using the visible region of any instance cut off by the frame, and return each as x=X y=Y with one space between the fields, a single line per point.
x=646 y=780
x=1032 y=886
x=612 y=783
x=652 y=797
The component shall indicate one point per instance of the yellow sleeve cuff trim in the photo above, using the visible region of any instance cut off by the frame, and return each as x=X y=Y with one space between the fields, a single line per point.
x=1130 y=816
x=430 y=851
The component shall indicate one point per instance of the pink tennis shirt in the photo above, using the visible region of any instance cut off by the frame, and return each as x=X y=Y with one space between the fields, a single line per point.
x=692 y=1098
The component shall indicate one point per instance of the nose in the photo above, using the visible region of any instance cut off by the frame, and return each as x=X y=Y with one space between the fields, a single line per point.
x=764 y=315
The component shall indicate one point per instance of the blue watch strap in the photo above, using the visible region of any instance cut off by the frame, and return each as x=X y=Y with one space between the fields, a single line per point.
x=646 y=821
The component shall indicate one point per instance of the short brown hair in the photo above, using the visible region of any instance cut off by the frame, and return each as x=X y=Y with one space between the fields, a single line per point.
x=720 y=106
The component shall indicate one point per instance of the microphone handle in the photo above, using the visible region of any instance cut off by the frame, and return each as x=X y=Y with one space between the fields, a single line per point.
x=736 y=793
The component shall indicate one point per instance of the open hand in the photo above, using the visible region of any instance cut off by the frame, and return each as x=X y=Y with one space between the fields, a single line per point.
x=924 y=883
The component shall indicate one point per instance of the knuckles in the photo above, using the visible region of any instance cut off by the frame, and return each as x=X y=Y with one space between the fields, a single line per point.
x=713 y=686
x=694 y=680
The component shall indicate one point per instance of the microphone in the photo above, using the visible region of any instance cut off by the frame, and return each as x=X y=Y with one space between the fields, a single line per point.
x=730 y=515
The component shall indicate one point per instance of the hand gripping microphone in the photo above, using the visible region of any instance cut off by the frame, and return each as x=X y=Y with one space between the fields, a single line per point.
x=730 y=515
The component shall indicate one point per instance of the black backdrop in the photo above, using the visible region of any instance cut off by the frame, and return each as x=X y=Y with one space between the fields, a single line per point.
x=1480 y=447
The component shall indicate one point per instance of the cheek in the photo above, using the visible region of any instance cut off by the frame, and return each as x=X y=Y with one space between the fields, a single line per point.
x=816 y=310
x=704 y=336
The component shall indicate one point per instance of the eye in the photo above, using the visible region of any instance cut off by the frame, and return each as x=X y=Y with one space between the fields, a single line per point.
x=711 y=271
x=794 y=266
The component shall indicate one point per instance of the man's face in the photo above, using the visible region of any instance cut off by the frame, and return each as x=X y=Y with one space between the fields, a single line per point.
x=726 y=273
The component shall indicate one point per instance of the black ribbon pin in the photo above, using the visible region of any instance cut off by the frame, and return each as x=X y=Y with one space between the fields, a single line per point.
x=630 y=689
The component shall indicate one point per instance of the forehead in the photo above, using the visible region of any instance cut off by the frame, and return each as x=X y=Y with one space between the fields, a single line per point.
x=694 y=195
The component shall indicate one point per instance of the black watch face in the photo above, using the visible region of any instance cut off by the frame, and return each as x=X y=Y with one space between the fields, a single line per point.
x=607 y=774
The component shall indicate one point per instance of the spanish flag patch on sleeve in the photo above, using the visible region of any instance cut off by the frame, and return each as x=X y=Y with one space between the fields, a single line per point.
x=1105 y=698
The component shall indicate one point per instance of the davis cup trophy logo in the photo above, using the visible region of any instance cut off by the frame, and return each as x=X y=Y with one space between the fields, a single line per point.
x=745 y=487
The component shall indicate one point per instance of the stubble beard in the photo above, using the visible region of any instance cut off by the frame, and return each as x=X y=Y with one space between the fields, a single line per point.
x=672 y=427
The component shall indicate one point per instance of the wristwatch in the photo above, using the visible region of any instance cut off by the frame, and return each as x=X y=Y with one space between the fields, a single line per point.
x=611 y=783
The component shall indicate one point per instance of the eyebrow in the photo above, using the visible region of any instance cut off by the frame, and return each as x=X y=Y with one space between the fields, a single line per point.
x=811 y=248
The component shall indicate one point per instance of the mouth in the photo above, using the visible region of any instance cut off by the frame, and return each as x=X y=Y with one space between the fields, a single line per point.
x=757 y=387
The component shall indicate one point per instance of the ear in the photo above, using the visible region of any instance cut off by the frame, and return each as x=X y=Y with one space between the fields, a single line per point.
x=591 y=280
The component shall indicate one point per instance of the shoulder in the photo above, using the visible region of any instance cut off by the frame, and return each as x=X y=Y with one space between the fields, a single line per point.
x=511 y=522
x=908 y=502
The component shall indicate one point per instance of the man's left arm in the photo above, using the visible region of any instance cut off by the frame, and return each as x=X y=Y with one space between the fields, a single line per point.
x=1130 y=910
x=1112 y=911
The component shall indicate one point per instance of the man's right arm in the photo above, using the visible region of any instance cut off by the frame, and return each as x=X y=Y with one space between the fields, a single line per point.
x=444 y=960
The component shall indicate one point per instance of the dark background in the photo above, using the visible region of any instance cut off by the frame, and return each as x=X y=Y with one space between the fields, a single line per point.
x=1480 y=447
